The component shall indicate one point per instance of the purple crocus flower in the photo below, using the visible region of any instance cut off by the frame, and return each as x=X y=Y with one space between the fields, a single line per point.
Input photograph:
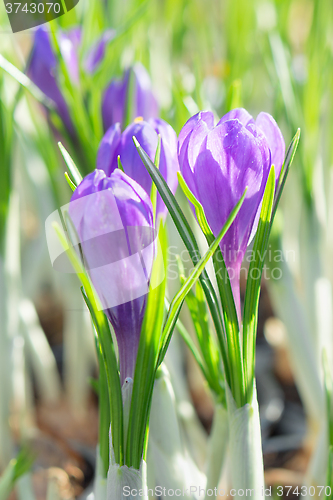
x=218 y=163
x=116 y=98
x=43 y=64
x=42 y=70
x=115 y=144
x=113 y=219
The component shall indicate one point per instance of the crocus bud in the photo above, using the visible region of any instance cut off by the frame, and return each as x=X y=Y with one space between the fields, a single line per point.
x=115 y=144
x=96 y=53
x=218 y=163
x=128 y=98
x=113 y=219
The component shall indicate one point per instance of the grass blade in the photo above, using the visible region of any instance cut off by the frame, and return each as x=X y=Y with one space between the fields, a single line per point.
x=77 y=177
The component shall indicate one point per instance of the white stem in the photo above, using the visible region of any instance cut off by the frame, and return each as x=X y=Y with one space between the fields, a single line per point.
x=126 y=483
x=246 y=460
x=217 y=447
x=167 y=456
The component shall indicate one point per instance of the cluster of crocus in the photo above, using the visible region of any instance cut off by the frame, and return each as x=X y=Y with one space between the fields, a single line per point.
x=219 y=162
x=113 y=217
x=224 y=166
x=43 y=70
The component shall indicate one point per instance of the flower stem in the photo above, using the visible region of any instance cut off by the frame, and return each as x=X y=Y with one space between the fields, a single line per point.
x=217 y=448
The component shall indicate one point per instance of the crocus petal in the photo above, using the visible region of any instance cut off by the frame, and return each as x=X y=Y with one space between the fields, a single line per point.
x=97 y=52
x=270 y=129
x=106 y=159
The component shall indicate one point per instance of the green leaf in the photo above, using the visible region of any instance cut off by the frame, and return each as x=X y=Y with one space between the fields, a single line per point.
x=104 y=406
x=329 y=481
x=77 y=177
x=6 y=141
x=146 y=362
x=70 y=182
x=189 y=240
x=16 y=469
x=153 y=192
x=25 y=81
x=198 y=209
x=285 y=170
x=250 y=316
x=328 y=384
x=232 y=328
